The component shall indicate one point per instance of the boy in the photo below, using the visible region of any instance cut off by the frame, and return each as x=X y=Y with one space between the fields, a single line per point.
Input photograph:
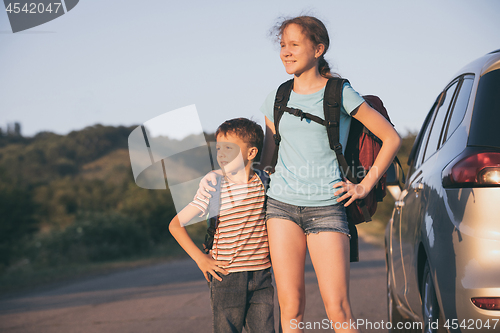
x=242 y=294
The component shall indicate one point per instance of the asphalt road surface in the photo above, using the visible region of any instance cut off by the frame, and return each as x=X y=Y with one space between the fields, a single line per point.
x=173 y=297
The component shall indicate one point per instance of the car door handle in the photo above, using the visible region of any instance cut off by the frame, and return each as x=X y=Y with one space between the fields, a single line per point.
x=419 y=187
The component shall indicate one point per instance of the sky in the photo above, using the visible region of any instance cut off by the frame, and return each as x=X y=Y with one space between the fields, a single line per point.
x=124 y=62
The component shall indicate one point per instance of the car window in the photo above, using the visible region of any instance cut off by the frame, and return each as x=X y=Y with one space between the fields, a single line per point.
x=485 y=116
x=415 y=149
x=437 y=124
x=460 y=107
x=422 y=138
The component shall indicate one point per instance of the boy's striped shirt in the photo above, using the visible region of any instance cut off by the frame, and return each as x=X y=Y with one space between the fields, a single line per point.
x=241 y=236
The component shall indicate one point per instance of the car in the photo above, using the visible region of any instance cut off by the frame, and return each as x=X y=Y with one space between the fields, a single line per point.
x=443 y=239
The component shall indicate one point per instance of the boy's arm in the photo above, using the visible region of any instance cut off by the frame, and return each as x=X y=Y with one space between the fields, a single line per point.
x=204 y=261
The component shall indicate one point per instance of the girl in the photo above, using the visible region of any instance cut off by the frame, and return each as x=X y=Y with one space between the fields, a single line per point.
x=304 y=210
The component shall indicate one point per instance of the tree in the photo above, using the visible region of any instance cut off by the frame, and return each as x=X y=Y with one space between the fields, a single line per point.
x=17 y=221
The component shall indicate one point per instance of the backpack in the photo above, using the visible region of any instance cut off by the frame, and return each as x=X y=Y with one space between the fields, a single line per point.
x=361 y=150
x=214 y=208
x=362 y=145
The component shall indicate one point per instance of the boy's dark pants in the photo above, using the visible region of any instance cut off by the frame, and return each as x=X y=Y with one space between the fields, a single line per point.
x=243 y=299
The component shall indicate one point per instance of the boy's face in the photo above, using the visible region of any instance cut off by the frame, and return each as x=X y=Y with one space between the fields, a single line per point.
x=232 y=153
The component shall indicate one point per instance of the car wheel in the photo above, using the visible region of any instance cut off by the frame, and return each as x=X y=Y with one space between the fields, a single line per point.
x=430 y=305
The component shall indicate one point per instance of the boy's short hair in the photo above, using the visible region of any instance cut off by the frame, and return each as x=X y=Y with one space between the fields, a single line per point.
x=247 y=130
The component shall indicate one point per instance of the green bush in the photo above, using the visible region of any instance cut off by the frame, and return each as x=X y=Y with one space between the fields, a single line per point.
x=92 y=238
x=17 y=222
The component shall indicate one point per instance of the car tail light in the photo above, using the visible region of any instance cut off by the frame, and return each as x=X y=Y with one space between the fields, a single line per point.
x=487 y=303
x=473 y=169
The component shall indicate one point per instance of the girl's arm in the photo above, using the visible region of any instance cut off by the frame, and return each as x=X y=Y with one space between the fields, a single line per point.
x=204 y=261
x=391 y=142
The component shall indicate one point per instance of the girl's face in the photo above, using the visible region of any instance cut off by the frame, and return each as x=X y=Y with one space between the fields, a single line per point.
x=298 y=53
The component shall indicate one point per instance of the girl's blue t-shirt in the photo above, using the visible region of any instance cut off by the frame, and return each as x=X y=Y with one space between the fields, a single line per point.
x=307 y=168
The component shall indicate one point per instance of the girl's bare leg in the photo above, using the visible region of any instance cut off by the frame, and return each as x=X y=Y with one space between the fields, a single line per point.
x=329 y=253
x=287 y=244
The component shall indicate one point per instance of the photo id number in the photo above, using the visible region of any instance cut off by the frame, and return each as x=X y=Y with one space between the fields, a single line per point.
x=471 y=324
x=33 y=8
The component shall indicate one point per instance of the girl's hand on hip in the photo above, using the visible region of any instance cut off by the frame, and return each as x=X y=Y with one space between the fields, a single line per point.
x=351 y=191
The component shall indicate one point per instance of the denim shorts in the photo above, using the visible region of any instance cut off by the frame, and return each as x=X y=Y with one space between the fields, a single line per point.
x=311 y=219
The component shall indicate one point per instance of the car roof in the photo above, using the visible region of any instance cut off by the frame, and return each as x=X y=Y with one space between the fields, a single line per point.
x=483 y=65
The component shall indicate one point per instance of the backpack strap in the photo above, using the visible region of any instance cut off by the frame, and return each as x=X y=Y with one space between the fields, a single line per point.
x=280 y=102
x=280 y=107
x=264 y=177
x=213 y=215
x=214 y=203
x=332 y=101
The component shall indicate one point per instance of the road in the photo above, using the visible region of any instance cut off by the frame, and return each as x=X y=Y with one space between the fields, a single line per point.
x=172 y=297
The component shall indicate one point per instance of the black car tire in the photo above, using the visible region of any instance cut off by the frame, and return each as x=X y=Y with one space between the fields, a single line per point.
x=430 y=305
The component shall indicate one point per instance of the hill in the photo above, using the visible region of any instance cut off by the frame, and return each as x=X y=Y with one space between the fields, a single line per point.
x=72 y=198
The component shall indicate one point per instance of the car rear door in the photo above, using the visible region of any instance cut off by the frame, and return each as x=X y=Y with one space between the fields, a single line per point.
x=405 y=214
x=425 y=191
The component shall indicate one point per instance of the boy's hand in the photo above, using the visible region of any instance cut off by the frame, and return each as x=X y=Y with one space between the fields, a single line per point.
x=208 y=265
x=204 y=188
